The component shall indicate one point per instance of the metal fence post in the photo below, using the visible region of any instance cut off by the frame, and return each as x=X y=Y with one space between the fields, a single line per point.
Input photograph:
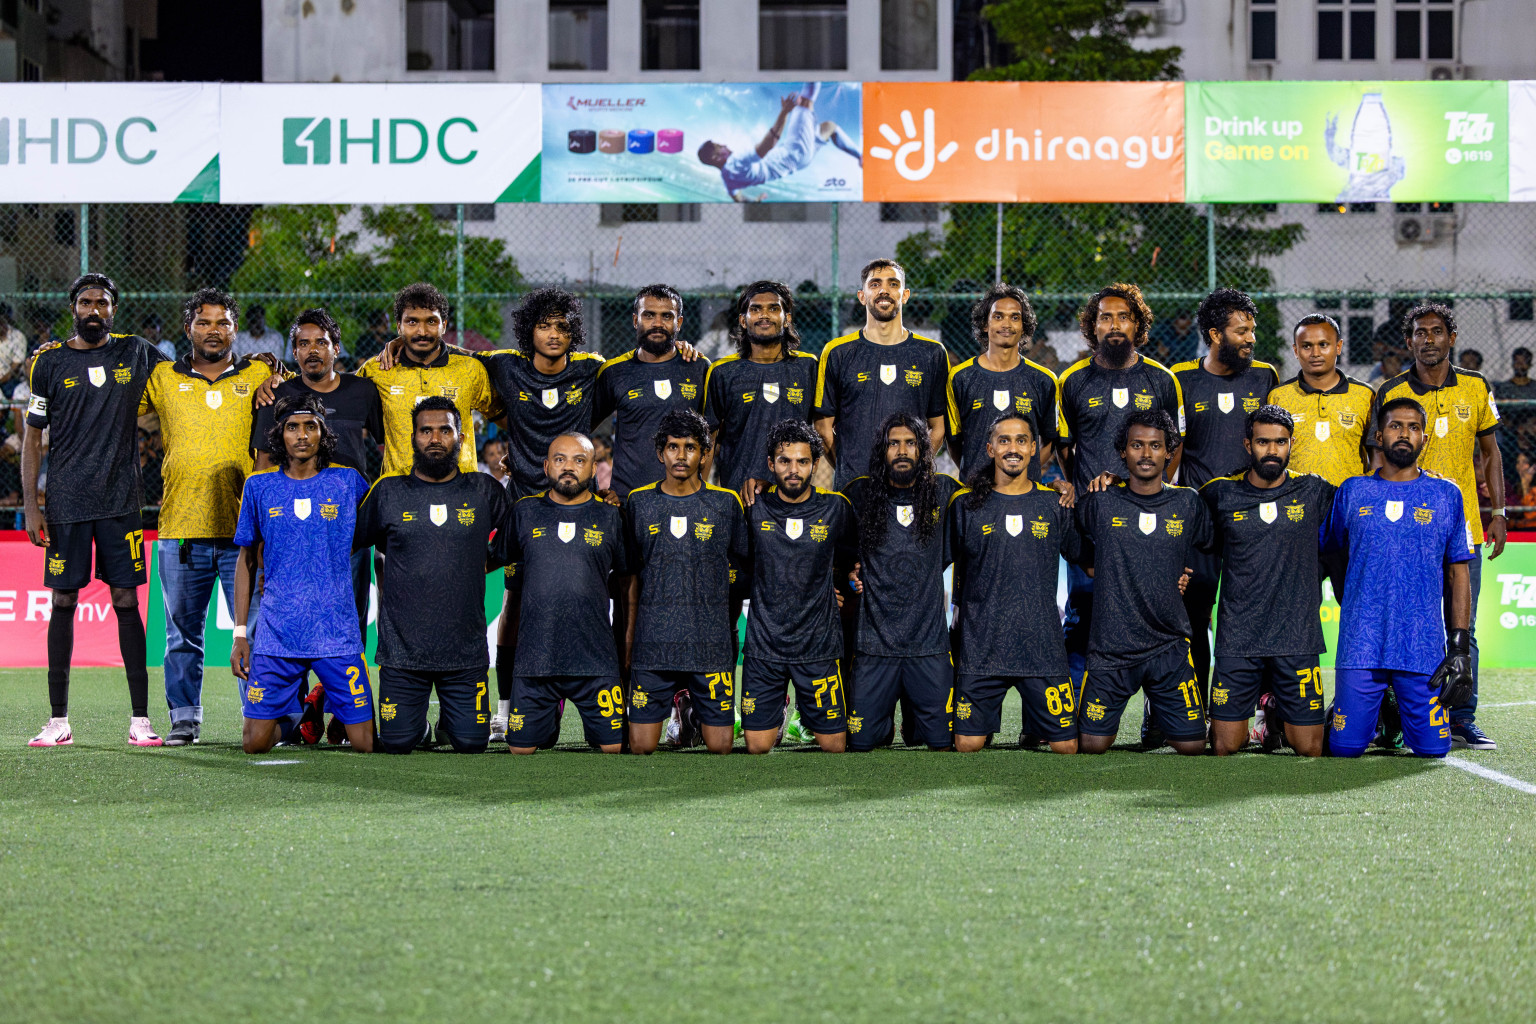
x=998 y=256
x=458 y=266
x=85 y=238
x=837 y=328
x=1210 y=247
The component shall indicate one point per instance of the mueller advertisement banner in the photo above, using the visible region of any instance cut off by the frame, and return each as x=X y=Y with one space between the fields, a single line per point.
x=1522 y=142
x=429 y=143
x=1024 y=142
x=109 y=143
x=1348 y=142
x=702 y=143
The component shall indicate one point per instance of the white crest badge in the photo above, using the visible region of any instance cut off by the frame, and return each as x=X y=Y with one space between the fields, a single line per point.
x=1321 y=430
x=1394 y=511
x=566 y=532
x=1269 y=512
x=771 y=392
x=438 y=514
x=549 y=397
x=793 y=528
x=1146 y=523
x=1001 y=400
x=887 y=373
x=679 y=526
x=1121 y=397
x=1224 y=401
x=1442 y=424
x=301 y=507
x=213 y=398
x=663 y=389
x=97 y=375
x=904 y=515
x=1015 y=525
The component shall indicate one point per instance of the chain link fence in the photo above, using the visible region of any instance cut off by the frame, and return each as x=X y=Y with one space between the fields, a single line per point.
x=1364 y=264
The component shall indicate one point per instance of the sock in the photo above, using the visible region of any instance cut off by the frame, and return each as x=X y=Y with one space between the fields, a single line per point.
x=61 y=650
x=130 y=640
x=504 y=708
x=504 y=654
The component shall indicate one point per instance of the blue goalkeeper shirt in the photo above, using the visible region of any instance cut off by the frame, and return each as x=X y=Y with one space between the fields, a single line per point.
x=1399 y=538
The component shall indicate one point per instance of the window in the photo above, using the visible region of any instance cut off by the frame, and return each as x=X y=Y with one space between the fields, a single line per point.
x=785 y=213
x=31 y=71
x=669 y=35
x=1424 y=207
x=909 y=213
x=802 y=35
x=578 y=35
x=472 y=211
x=1522 y=308
x=1261 y=30
x=909 y=35
x=616 y=214
x=450 y=35
x=1350 y=31
x=1361 y=334
x=1346 y=207
x=1424 y=29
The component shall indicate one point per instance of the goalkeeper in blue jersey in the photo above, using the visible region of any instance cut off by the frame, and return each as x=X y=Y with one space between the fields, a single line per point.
x=1408 y=545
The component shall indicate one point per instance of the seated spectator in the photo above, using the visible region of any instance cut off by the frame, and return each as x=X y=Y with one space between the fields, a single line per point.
x=13 y=352
x=1523 y=493
x=257 y=336
x=492 y=456
x=373 y=340
x=603 y=453
x=153 y=331
x=1390 y=366
x=1176 y=340
x=1471 y=359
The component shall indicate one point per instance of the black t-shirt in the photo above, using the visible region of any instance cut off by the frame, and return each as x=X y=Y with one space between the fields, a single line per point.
x=1095 y=401
x=540 y=408
x=89 y=400
x=798 y=551
x=980 y=395
x=353 y=411
x=1268 y=544
x=1216 y=412
x=685 y=551
x=742 y=399
x=1138 y=546
x=637 y=395
x=436 y=539
x=901 y=610
x=860 y=383
x=1007 y=554
x=567 y=553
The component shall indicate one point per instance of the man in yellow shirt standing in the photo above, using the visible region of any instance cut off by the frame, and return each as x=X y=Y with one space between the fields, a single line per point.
x=204 y=403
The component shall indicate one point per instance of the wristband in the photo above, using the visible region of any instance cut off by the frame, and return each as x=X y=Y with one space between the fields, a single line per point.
x=239 y=632
x=1497 y=512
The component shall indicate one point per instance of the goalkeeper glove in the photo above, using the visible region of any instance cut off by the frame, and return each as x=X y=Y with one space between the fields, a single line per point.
x=1453 y=679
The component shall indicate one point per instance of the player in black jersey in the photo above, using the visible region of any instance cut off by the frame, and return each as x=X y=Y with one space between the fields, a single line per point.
x=434 y=527
x=803 y=540
x=1137 y=538
x=569 y=544
x=686 y=540
x=1265 y=527
x=86 y=392
x=902 y=634
x=1007 y=535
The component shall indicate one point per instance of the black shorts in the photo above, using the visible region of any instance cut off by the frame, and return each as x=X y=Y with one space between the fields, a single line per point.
x=927 y=684
x=535 y=720
x=651 y=693
x=1172 y=692
x=1296 y=680
x=120 y=560
x=1048 y=705
x=819 y=694
x=462 y=705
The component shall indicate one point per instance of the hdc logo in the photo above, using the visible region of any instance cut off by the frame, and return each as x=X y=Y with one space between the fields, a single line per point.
x=309 y=140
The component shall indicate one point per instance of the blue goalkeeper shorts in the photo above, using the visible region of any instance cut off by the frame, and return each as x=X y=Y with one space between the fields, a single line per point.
x=1357 y=695
x=273 y=688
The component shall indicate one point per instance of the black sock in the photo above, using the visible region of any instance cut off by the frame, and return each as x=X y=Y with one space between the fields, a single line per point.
x=130 y=640
x=504 y=654
x=61 y=650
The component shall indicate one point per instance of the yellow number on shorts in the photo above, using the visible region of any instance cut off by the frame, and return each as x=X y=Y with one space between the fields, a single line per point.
x=949 y=705
x=1438 y=715
x=135 y=539
x=480 y=702
x=1312 y=677
x=610 y=702
x=1058 y=699
x=353 y=674
x=724 y=679
x=1191 y=693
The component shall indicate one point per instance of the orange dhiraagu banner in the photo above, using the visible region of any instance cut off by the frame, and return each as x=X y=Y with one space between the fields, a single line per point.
x=1063 y=142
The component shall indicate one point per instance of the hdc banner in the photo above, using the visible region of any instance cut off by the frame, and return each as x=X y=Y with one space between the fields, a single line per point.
x=1024 y=141
x=1522 y=142
x=25 y=607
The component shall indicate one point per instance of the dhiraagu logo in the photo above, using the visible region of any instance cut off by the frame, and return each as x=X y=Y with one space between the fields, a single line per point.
x=394 y=140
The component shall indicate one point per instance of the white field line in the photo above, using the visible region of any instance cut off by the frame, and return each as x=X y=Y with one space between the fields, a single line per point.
x=1491 y=775
x=1511 y=704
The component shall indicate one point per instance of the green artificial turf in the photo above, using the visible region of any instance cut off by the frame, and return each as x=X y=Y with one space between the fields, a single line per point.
x=203 y=884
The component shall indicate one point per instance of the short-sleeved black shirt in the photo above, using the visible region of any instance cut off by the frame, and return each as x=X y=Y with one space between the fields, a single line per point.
x=436 y=539
x=743 y=399
x=684 y=550
x=1268 y=544
x=567 y=553
x=540 y=407
x=1216 y=412
x=901 y=610
x=1095 y=401
x=1138 y=546
x=979 y=395
x=637 y=395
x=1007 y=553
x=353 y=411
x=797 y=550
x=89 y=400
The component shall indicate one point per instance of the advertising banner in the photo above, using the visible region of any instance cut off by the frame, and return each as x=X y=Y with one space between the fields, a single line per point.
x=1522 y=142
x=109 y=143
x=26 y=605
x=1024 y=141
x=1348 y=142
x=702 y=143
x=429 y=143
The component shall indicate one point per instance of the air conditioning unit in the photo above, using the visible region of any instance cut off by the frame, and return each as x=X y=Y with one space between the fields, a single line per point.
x=1424 y=229
x=1447 y=72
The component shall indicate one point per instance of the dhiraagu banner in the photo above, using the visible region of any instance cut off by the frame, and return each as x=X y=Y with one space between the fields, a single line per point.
x=1346 y=142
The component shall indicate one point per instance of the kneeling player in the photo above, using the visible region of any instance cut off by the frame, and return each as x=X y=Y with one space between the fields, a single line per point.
x=1007 y=535
x=802 y=541
x=297 y=522
x=434 y=527
x=569 y=544
x=1409 y=545
x=1137 y=538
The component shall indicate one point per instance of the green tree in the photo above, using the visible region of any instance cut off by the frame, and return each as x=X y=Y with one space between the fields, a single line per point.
x=1075 y=41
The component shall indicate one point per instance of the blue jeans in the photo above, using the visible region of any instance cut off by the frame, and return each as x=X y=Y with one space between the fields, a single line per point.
x=187 y=588
x=1468 y=712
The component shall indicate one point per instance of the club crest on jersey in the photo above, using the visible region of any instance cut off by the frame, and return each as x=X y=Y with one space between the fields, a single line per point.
x=122 y=375
x=904 y=515
x=1423 y=516
x=793 y=528
x=1346 y=418
x=1224 y=401
x=213 y=398
x=1175 y=527
x=663 y=389
x=1442 y=425
x=97 y=375
x=1296 y=513
x=1143 y=402
x=690 y=391
x=438 y=514
x=703 y=531
x=242 y=388
x=887 y=373
x=1023 y=403
x=794 y=395
x=1394 y=511
x=593 y=536
x=1146 y=523
x=1321 y=430
x=1463 y=411
x=388 y=711
x=1000 y=400
x=329 y=511
x=550 y=397
x=1121 y=397
x=771 y=391
x=1269 y=511
x=566 y=532
x=301 y=507
x=450 y=393
x=819 y=532
x=1040 y=529
x=1014 y=525
x=573 y=396
x=679 y=526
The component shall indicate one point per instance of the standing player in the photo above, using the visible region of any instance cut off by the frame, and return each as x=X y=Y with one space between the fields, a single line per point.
x=1265 y=525
x=204 y=403
x=86 y=392
x=434 y=529
x=296 y=528
x=1409 y=547
x=872 y=374
x=802 y=541
x=1462 y=422
x=686 y=538
x=570 y=544
x=1137 y=538
x=903 y=633
x=1007 y=535
x=1000 y=381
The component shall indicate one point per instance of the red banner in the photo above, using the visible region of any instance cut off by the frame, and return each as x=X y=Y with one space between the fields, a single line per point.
x=26 y=604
